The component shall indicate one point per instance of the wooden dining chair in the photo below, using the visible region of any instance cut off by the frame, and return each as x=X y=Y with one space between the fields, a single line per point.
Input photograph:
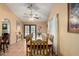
x=28 y=48
x=37 y=47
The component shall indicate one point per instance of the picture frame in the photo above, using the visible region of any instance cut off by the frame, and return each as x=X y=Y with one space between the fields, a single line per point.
x=4 y=26
x=73 y=17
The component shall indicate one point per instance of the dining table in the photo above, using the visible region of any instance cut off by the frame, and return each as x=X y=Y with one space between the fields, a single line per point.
x=50 y=45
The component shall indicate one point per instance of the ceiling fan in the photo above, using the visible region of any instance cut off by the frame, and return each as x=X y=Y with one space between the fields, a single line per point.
x=30 y=7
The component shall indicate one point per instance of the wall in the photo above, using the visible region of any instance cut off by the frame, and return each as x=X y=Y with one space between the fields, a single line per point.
x=68 y=42
x=6 y=13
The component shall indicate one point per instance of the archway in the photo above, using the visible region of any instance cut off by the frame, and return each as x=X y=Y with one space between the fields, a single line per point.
x=6 y=28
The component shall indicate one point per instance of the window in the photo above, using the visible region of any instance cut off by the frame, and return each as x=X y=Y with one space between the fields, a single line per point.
x=30 y=29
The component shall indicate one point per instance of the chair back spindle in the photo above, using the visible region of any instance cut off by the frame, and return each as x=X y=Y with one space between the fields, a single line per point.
x=38 y=47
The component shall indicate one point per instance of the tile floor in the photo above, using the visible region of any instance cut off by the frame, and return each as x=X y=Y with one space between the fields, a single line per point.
x=17 y=49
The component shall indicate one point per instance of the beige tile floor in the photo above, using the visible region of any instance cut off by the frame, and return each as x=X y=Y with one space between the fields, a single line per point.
x=17 y=49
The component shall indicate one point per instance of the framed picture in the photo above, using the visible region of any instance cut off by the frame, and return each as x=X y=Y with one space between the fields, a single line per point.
x=73 y=17
x=4 y=26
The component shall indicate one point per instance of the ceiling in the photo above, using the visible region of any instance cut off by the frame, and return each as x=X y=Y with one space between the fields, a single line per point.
x=40 y=10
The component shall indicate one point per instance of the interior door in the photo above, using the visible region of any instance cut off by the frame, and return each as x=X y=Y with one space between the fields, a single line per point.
x=26 y=31
x=30 y=29
x=33 y=31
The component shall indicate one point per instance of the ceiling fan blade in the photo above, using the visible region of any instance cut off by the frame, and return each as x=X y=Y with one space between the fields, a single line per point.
x=36 y=17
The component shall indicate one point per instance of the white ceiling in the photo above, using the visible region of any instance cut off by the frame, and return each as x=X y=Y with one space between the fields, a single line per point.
x=22 y=11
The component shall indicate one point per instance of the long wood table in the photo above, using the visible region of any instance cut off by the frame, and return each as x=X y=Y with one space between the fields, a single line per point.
x=49 y=42
x=50 y=46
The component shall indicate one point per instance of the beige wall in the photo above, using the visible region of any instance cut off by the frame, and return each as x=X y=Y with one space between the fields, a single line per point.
x=68 y=42
x=6 y=13
x=42 y=24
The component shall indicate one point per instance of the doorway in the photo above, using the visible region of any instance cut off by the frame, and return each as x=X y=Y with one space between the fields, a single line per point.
x=6 y=28
x=53 y=25
x=30 y=29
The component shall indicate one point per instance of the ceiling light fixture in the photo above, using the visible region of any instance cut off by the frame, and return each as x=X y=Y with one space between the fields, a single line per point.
x=32 y=17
